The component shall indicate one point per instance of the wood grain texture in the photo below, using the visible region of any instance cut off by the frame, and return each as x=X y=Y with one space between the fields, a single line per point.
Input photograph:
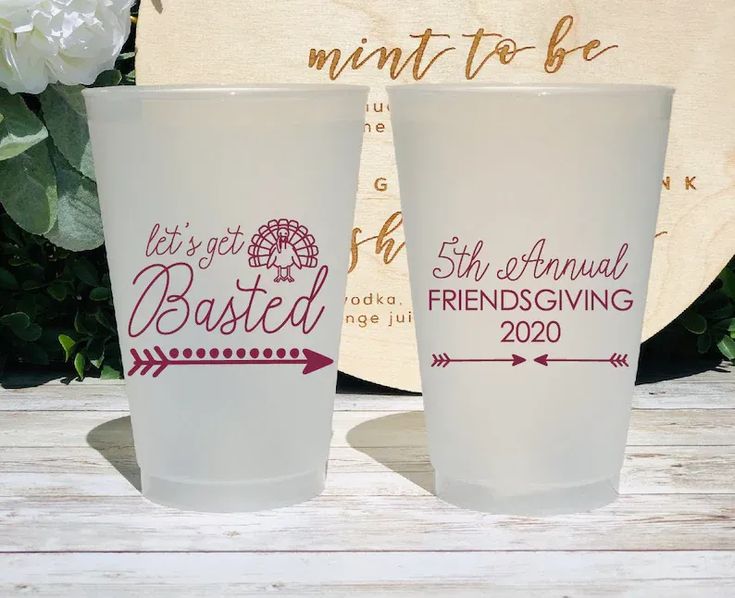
x=370 y=574
x=132 y=524
x=672 y=427
x=681 y=43
x=73 y=523
x=710 y=389
x=354 y=471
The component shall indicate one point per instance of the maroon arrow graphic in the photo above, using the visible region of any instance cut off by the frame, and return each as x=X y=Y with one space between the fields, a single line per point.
x=311 y=360
x=617 y=360
x=442 y=360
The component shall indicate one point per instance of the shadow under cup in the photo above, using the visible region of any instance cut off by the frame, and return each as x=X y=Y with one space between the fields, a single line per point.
x=227 y=214
x=530 y=217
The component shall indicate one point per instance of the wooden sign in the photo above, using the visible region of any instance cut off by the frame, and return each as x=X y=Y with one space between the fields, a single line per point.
x=689 y=45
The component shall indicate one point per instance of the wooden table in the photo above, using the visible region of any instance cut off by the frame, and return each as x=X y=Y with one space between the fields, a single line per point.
x=72 y=521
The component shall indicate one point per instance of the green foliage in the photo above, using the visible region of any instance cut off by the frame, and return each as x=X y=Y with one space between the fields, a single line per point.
x=47 y=181
x=28 y=189
x=55 y=305
x=711 y=318
x=62 y=107
x=78 y=223
x=20 y=128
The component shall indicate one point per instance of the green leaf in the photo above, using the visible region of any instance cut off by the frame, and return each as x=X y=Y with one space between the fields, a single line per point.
x=727 y=277
x=28 y=189
x=67 y=343
x=79 y=324
x=108 y=78
x=30 y=333
x=79 y=364
x=723 y=312
x=726 y=345
x=78 y=224
x=110 y=373
x=712 y=300
x=85 y=324
x=21 y=325
x=694 y=322
x=704 y=342
x=17 y=322
x=31 y=285
x=58 y=290
x=8 y=282
x=95 y=351
x=84 y=270
x=105 y=320
x=723 y=326
x=99 y=294
x=20 y=129
x=66 y=119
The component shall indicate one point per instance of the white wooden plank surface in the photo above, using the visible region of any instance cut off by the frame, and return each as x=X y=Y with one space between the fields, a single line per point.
x=73 y=523
x=363 y=523
x=712 y=389
x=75 y=471
x=705 y=573
x=364 y=428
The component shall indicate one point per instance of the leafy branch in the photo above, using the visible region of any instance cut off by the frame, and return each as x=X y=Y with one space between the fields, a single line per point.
x=55 y=298
x=711 y=318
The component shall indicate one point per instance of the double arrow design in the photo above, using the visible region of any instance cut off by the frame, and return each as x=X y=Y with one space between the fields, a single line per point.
x=442 y=360
x=148 y=362
x=617 y=360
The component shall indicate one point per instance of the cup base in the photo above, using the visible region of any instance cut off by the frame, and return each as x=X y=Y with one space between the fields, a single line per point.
x=233 y=497
x=547 y=501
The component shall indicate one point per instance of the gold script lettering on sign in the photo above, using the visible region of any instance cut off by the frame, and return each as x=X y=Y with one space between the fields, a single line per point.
x=384 y=243
x=318 y=58
x=506 y=49
x=555 y=55
x=335 y=61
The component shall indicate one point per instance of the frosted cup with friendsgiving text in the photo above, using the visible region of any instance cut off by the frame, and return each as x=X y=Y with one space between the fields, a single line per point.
x=227 y=215
x=530 y=219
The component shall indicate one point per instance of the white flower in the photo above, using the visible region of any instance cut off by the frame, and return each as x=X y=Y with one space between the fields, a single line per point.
x=65 y=41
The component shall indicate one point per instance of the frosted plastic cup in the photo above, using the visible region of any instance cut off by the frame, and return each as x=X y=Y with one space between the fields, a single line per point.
x=227 y=215
x=530 y=219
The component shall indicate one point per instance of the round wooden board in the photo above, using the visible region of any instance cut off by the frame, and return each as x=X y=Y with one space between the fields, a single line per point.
x=685 y=44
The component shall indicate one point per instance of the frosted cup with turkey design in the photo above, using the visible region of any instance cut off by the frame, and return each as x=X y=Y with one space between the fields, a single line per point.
x=227 y=215
x=530 y=216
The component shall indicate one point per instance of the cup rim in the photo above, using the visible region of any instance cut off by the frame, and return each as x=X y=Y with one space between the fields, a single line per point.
x=224 y=91
x=532 y=88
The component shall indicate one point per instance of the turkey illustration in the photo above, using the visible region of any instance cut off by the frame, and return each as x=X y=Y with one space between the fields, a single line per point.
x=282 y=244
